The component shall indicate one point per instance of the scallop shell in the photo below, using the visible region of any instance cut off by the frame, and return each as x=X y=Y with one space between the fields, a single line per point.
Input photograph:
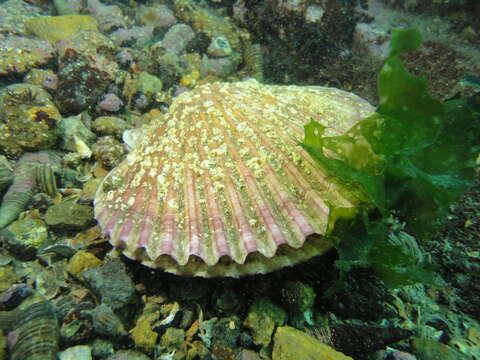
x=221 y=187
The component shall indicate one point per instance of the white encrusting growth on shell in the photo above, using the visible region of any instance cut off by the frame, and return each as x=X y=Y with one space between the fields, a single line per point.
x=218 y=185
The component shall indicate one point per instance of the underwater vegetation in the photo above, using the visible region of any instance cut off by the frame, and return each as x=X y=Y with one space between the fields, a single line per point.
x=412 y=158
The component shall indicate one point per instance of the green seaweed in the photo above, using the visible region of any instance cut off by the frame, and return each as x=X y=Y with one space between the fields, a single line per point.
x=413 y=158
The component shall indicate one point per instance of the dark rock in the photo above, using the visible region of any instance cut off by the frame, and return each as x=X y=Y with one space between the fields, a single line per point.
x=69 y=216
x=111 y=283
x=358 y=341
x=226 y=332
x=363 y=296
x=81 y=83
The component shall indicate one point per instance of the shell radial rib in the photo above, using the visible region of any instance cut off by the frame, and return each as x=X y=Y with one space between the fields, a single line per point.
x=221 y=187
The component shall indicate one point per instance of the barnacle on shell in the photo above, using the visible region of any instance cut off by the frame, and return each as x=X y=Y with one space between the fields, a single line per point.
x=221 y=187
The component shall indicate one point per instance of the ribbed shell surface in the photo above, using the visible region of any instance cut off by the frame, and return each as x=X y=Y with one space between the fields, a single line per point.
x=220 y=186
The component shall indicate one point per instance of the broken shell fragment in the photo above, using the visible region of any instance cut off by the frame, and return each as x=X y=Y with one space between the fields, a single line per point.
x=221 y=187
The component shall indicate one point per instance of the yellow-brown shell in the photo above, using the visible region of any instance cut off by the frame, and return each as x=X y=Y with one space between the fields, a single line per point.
x=220 y=186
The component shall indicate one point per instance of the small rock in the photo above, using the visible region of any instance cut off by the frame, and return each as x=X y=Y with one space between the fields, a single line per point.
x=297 y=296
x=220 y=67
x=79 y=352
x=128 y=355
x=110 y=125
x=227 y=300
x=73 y=129
x=108 y=16
x=177 y=38
x=115 y=291
x=158 y=15
x=14 y=14
x=69 y=215
x=90 y=188
x=54 y=28
x=148 y=84
x=102 y=348
x=24 y=237
x=219 y=47
x=109 y=151
x=249 y=355
x=429 y=349
x=106 y=322
x=357 y=340
x=136 y=35
x=29 y=119
x=172 y=342
x=262 y=319
x=82 y=260
x=110 y=102
x=82 y=80
x=143 y=336
x=290 y=343
x=226 y=332
x=21 y=54
x=45 y=78
x=173 y=338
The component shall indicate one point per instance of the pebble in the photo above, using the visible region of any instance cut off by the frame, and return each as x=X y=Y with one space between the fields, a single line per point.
x=128 y=355
x=290 y=343
x=110 y=125
x=69 y=216
x=177 y=38
x=82 y=260
x=79 y=352
x=262 y=319
x=110 y=102
x=106 y=322
x=114 y=291
x=71 y=129
x=24 y=237
x=102 y=348
x=54 y=28
x=219 y=47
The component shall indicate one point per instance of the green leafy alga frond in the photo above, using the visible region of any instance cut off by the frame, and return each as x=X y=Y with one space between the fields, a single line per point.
x=415 y=156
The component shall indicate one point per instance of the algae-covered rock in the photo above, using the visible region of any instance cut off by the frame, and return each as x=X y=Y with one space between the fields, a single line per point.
x=173 y=338
x=429 y=349
x=290 y=343
x=28 y=119
x=128 y=355
x=109 y=151
x=44 y=78
x=143 y=336
x=69 y=216
x=114 y=291
x=73 y=130
x=82 y=260
x=78 y=352
x=54 y=28
x=19 y=54
x=3 y=346
x=262 y=319
x=298 y=297
x=82 y=81
x=7 y=277
x=110 y=125
x=24 y=237
x=148 y=84
x=6 y=173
